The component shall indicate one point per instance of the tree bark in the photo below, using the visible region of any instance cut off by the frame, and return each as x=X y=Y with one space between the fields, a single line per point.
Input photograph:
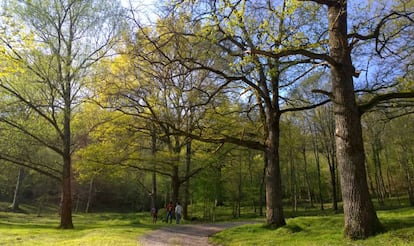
x=66 y=202
x=360 y=217
x=274 y=206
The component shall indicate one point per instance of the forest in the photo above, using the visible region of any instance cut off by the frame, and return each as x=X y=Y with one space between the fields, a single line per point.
x=265 y=108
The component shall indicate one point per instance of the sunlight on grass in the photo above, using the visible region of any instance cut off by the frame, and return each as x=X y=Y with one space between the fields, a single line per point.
x=125 y=229
x=90 y=229
x=321 y=230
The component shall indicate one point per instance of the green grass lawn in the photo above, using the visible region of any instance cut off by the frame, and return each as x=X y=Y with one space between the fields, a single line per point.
x=90 y=229
x=321 y=230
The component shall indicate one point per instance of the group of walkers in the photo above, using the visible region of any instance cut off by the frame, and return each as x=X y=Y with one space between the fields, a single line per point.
x=170 y=210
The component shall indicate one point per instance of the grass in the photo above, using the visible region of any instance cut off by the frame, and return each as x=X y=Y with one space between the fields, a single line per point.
x=307 y=227
x=90 y=229
x=321 y=230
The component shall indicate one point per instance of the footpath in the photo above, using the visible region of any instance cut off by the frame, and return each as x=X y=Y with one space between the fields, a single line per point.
x=185 y=235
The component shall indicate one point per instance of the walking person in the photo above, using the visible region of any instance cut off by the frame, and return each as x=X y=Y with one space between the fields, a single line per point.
x=169 y=211
x=178 y=212
x=154 y=214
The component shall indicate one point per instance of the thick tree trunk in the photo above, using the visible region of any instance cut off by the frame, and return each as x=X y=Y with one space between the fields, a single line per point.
x=360 y=217
x=274 y=206
x=14 y=207
x=66 y=200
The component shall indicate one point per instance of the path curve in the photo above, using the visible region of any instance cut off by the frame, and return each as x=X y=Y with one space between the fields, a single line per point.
x=188 y=235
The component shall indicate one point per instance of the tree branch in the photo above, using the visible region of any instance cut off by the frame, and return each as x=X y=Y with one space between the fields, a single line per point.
x=381 y=98
x=31 y=166
x=291 y=52
x=305 y=107
x=329 y=3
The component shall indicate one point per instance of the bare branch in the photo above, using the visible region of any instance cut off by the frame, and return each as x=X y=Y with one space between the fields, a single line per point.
x=295 y=109
x=291 y=52
x=381 y=98
x=32 y=166
x=324 y=2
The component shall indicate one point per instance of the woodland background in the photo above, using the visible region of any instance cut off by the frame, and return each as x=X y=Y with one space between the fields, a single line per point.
x=104 y=108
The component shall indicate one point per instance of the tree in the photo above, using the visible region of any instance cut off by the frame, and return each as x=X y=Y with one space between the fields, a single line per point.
x=16 y=198
x=400 y=134
x=325 y=127
x=236 y=31
x=361 y=220
x=66 y=39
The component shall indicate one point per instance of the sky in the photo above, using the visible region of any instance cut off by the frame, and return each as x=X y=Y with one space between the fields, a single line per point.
x=146 y=8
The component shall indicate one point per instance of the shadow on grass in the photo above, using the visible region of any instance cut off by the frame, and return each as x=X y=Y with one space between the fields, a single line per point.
x=398 y=223
x=288 y=228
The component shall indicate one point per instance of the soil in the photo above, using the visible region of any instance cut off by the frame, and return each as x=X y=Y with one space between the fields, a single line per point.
x=188 y=235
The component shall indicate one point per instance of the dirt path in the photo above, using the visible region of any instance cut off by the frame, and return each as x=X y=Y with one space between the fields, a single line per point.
x=187 y=235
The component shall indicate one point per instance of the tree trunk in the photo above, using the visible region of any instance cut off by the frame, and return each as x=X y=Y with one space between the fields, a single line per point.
x=175 y=184
x=369 y=180
x=66 y=202
x=14 y=207
x=390 y=180
x=154 y=168
x=318 y=168
x=360 y=217
x=89 y=202
x=307 y=180
x=274 y=206
x=239 y=186
x=262 y=184
x=293 y=185
x=405 y=166
x=379 y=180
x=334 y=184
x=187 y=183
